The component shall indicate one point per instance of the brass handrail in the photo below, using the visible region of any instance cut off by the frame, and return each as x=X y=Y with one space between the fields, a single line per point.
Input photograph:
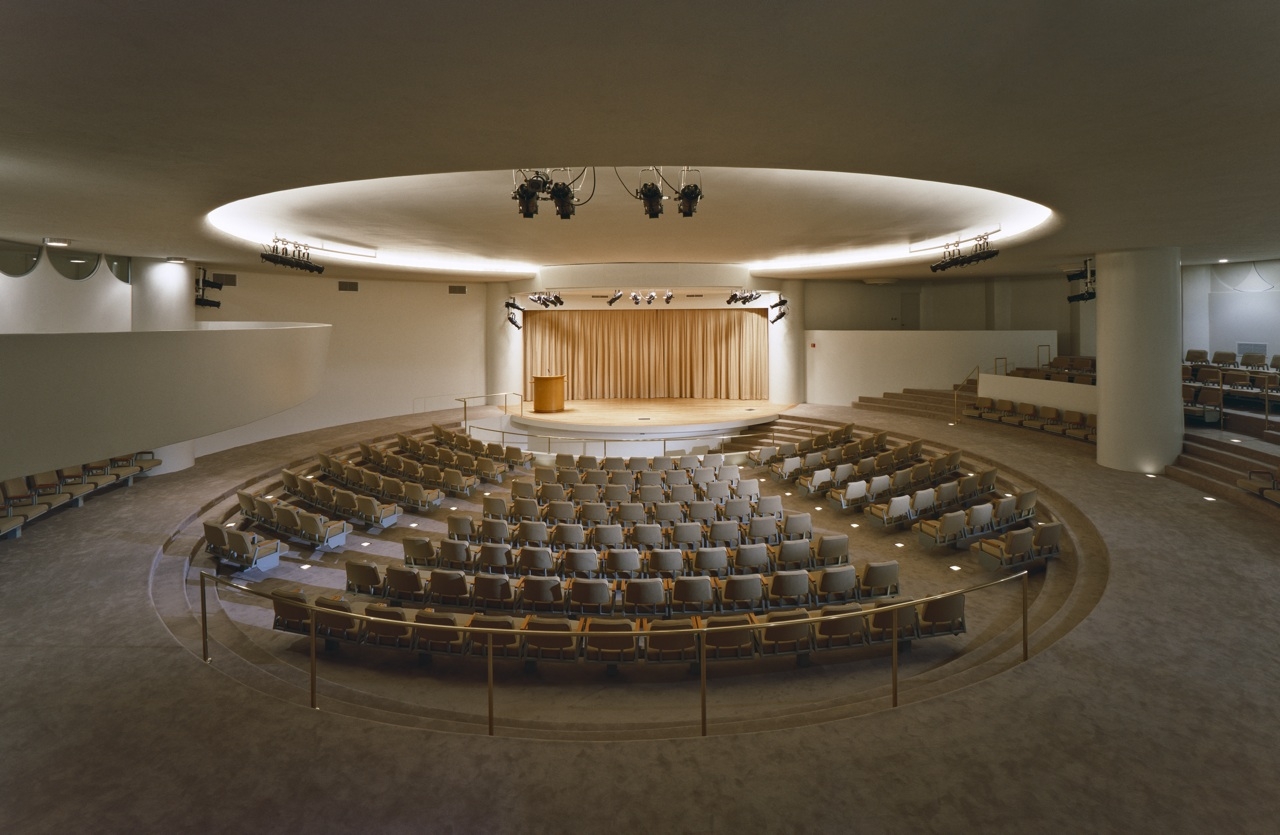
x=604 y=442
x=504 y=395
x=700 y=631
x=955 y=391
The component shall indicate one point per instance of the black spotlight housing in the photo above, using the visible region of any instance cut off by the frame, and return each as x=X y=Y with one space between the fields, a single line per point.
x=511 y=317
x=690 y=194
x=782 y=314
x=210 y=284
x=651 y=195
x=201 y=302
x=512 y=304
x=617 y=294
x=527 y=199
x=562 y=196
x=668 y=297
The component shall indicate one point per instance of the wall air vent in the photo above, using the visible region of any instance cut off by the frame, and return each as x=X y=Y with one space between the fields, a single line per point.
x=348 y=286
x=225 y=279
x=1250 y=348
x=457 y=289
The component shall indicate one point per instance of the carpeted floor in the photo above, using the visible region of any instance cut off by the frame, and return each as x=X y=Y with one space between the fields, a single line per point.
x=1155 y=713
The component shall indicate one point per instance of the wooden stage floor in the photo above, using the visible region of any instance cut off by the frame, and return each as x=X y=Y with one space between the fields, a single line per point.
x=648 y=414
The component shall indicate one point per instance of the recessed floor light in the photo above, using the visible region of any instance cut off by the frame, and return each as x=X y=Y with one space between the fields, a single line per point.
x=955 y=568
x=786 y=494
x=1235 y=440
x=486 y=494
x=897 y=545
x=268 y=497
x=305 y=567
x=817 y=508
x=950 y=423
x=413 y=524
x=1151 y=475
x=1210 y=499
x=310 y=477
x=853 y=525
x=455 y=507
x=364 y=545
x=1008 y=495
x=231 y=524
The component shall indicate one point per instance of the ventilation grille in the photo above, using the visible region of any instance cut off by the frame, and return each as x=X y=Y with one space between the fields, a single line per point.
x=348 y=286
x=457 y=289
x=1251 y=348
x=225 y=279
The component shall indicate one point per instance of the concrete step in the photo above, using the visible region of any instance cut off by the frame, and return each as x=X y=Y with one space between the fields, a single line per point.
x=1226 y=458
x=877 y=404
x=1204 y=467
x=1243 y=451
x=1229 y=492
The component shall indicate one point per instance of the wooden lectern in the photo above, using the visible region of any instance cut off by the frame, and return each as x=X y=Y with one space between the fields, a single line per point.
x=548 y=393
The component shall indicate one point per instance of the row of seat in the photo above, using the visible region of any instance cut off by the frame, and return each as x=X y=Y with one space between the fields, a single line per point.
x=612 y=493
x=615 y=641
x=959 y=526
x=325 y=497
x=848 y=485
x=407 y=471
x=858 y=495
x=480 y=467
x=23 y=499
x=627 y=559
x=617 y=466
x=674 y=476
x=1228 y=359
x=628 y=595
x=286 y=520
x=796 y=467
x=373 y=484
x=924 y=505
x=242 y=549
x=1087 y=378
x=1203 y=403
x=1020 y=548
x=1067 y=422
x=874 y=441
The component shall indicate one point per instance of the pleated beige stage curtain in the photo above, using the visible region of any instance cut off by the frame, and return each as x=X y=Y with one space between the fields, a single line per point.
x=605 y=354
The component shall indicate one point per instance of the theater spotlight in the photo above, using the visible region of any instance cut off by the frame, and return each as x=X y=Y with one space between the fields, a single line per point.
x=690 y=191
x=617 y=294
x=668 y=297
x=512 y=304
x=511 y=317
x=781 y=302
x=210 y=284
x=748 y=298
x=290 y=254
x=562 y=196
x=208 y=302
x=782 y=314
x=733 y=297
x=651 y=195
x=635 y=297
x=649 y=298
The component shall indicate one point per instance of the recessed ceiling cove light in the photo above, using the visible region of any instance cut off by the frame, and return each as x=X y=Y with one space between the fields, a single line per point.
x=174 y=259
x=1222 y=260
x=57 y=242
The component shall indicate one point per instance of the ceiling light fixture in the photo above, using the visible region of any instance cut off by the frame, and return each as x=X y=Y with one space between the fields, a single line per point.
x=57 y=242
x=174 y=259
x=533 y=185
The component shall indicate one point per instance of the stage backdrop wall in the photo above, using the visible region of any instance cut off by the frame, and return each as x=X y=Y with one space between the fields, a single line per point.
x=608 y=354
x=844 y=365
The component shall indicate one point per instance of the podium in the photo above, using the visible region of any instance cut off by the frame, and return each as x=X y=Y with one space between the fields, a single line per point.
x=548 y=393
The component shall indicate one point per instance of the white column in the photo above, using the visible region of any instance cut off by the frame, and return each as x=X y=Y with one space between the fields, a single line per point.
x=787 y=349
x=1139 y=322
x=163 y=299
x=503 y=344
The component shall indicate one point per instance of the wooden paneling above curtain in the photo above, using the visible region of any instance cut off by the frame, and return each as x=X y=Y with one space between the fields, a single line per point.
x=605 y=354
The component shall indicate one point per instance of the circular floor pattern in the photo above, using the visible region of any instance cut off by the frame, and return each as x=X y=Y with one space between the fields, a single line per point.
x=559 y=700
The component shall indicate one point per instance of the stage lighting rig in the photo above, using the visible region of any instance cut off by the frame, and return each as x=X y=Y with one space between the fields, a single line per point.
x=652 y=196
x=291 y=254
x=952 y=257
x=733 y=297
x=635 y=297
x=512 y=304
x=782 y=314
x=1090 y=278
x=781 y=302
x=511 y=318
x=532 y=186
x=617 y=294
x=668 y=297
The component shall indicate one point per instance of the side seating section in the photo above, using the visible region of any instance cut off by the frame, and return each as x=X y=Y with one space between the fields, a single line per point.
x=23 y=499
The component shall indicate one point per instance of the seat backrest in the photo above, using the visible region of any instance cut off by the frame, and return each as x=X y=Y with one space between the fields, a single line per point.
x=711 y=559
x=622 y=559
x=607 y=536
x=923 y=500
x=837 y=579
x=880 y=574
x=832 y=546
x=692 y=590
x=791 y=583
x=980 y=515
x=583 y=560
x=665 y=561
x=1019 y=542
x=645 y=591
x=535 y=558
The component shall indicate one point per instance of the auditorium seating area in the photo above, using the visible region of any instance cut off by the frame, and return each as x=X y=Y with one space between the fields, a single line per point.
x=1066 y=422
x=28 y=498
x=1244 y=383
x=1062 y=369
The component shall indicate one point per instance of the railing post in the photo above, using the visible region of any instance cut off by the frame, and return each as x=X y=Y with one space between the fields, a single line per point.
x=490 y=661
x=895 y=657
x=314 y=705
x=204 y=622
x=702 y=663
x=1025 y=583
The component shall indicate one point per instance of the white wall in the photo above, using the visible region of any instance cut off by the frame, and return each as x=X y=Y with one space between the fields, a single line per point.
x=1195 y=308
x=1241 y=307
x=843 y=365
x=77 y=397
x=42 y=301
x=397 y=347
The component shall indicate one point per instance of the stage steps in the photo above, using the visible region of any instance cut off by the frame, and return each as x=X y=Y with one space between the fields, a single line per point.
x=1213 y=465
x=786 y=429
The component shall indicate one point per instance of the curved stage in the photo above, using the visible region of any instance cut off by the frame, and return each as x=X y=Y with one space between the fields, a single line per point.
x=644 y=418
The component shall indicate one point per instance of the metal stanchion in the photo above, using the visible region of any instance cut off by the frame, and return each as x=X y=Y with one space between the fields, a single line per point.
x=204 y=622
x=490 y=654
x=1025 y=583
x=702 y=663
x=314 y=705
x=895 y=658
